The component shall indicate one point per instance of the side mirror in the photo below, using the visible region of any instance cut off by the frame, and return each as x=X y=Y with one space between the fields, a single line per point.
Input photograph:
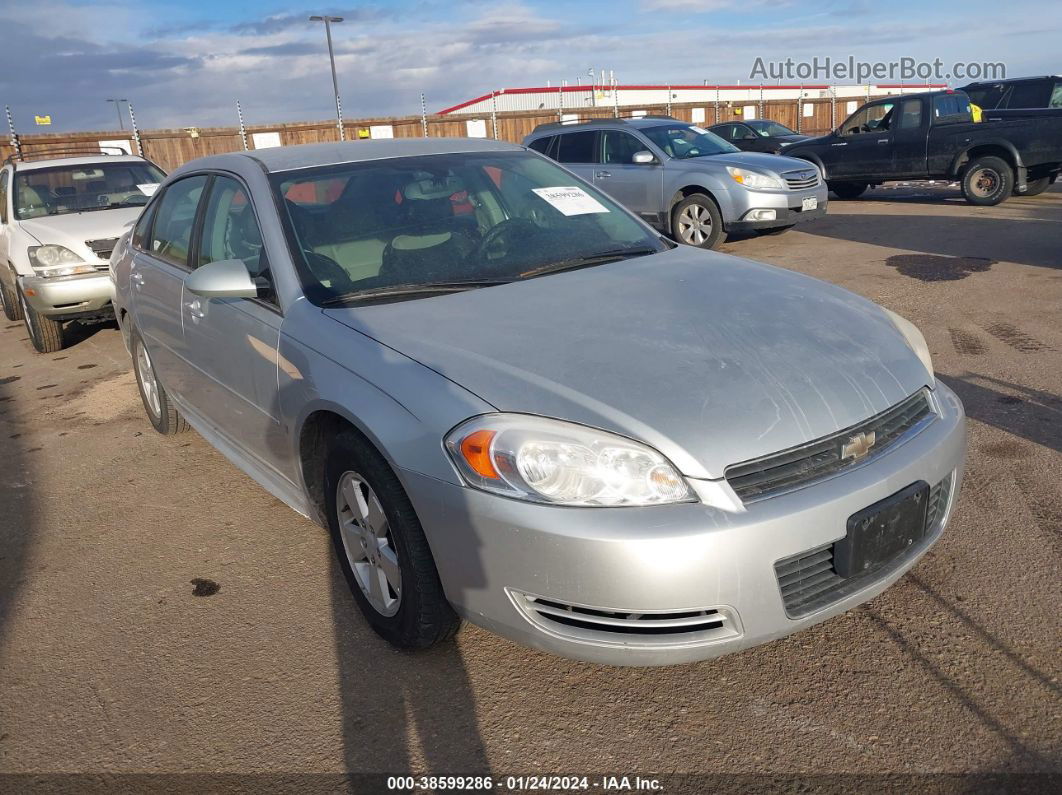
x=226 y=278
x=643 y=157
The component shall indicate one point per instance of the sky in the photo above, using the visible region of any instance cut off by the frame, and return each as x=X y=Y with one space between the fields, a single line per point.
x=186 y=63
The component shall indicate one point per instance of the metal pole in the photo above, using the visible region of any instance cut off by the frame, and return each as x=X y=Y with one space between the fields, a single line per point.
x=243 y=130
x=560 y=102
x=423 y=114
x=16 y=144
x=761 y=100
x=494 y=113
x=833 y=107
x=669 y=100
x=800 y=108
x=716 y=105
x=332 y=60
x=615 y=98
x=118 y=110
x=136 y=130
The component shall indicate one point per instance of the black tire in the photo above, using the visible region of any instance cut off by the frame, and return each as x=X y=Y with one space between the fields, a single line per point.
x=9 y=299
x=696 y=221
x=987 y=181
x=45 y=333
x=424 y=617
x=1035 y=187
x=164 y=417
x=848 y=190
x=774 y=230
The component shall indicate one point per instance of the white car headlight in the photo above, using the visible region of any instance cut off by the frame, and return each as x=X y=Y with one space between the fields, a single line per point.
x=915 y=341
x=752 y=179
x=53 y=260
x=551 y=461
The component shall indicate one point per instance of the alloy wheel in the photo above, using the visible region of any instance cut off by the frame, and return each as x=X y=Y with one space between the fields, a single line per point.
x=368 y=543
x=695 y=225
x=147 y=381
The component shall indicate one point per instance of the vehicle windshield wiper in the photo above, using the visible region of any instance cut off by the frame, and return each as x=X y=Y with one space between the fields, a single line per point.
x=426 y=288
x=600 y=258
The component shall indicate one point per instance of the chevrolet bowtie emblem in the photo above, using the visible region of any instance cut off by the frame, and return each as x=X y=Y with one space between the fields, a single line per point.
x=858 y=446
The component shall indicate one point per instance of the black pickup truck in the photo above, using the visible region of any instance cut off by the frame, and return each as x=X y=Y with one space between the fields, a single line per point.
x=933 y=136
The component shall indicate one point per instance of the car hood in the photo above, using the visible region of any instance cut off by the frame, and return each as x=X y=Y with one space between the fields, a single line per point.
x=760 y=161
x=792 y=139
x=709 y=358
x=73 y=229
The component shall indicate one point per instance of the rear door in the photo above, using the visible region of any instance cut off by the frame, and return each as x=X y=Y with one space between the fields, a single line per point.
x=156 y=278
x=637 y=186
x=231 y=343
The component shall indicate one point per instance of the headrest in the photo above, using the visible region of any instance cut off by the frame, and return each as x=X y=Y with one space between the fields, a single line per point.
x=431 y=188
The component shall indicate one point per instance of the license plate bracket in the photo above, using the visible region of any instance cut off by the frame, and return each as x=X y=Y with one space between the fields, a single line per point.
x=879 y=532
x=809 y=203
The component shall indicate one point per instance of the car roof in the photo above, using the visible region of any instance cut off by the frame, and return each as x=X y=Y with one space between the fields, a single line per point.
x=84 y=160
x=288 y=158
x=635 y=122
x=1008 y=80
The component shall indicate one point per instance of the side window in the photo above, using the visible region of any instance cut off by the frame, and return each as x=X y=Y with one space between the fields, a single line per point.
x=171 y=234
x=230 y=229
x=1033 y=94
x=541 y=144
x=911 y=114
x=620 y=147
x=3 y=196
x=577 y=147
x=855 y=123
x=1056 y=96
x=743 y=131
x=949 y=108
x=143 y=223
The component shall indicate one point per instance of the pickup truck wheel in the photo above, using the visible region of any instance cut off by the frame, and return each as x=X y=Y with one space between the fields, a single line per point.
x=1035 y=187
x=162 y=414
x=381 y=548
x=696 y=221
x=987 y=181
x=45 y=333
x=848 y=190
x=8 y=299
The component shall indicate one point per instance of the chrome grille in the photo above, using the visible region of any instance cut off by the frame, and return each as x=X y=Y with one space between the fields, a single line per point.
x=801 y=180
x=808 y=581
x=647 y=628
x=103 y=247
x=799 y=466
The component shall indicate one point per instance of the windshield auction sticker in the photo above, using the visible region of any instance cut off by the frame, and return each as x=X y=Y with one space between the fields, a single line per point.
x=571 y=201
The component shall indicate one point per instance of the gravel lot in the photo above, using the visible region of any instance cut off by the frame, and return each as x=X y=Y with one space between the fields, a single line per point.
x=109 y=663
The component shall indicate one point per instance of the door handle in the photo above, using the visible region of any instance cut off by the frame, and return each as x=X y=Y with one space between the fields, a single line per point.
x=883 y=140
x=137 y=279
x=842 y=143
x=195 y=309
x=602 y=174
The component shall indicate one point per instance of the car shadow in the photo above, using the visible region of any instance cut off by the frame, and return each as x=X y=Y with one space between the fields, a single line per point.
x=77 y=331
x=17 y=530
x=1029 y=413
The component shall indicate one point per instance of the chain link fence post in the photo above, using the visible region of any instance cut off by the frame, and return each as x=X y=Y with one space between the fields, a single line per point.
x=494 y=112
x=716 y=105
x=761 y=101
x=16 y=144
x=615 y=99
x=833 y=107
x=423 y=115
x=243 y=129
x=136 y=130
x=669 y=100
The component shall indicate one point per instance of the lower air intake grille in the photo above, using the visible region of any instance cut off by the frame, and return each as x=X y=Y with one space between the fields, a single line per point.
x=808 y=581
x=647 y=628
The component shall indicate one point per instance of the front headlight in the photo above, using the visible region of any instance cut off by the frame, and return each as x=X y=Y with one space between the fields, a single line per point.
x=915 y=341
x=53 y=260
x=752 y=179
x=551 y=461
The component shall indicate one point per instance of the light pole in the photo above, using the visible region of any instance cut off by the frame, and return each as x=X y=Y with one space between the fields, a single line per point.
x=118 y=108
x=332 y=59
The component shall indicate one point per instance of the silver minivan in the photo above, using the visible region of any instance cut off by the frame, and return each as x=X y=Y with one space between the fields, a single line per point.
x=513 y=402
x=684 y=180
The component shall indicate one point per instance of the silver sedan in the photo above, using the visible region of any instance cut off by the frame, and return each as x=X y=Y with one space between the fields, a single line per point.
x=511 y=401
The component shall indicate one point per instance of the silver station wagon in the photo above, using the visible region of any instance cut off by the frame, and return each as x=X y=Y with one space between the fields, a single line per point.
x=513 y=402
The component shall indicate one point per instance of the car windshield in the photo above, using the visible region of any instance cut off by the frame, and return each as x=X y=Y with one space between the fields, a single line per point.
x=683 y=140
x=83 y=187
x=402 y=226
x=769 y=128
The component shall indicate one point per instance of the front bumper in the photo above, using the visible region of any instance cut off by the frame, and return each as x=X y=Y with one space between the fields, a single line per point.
x=492 y=553
x=786 y=204
x=72 y=295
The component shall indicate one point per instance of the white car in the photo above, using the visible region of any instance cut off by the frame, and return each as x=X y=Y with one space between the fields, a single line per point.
x=60 y=218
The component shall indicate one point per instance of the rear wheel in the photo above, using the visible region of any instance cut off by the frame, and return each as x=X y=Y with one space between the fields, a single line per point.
x=381 y=548
x=987 y=181
x=696 y=221
x=1035 y=187
x=9 y=301
x=161 y=412
x=45 y=333
x=848 y=190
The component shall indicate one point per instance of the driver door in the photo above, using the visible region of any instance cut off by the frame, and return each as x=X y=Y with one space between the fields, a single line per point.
x=637 y=186
x=864 y=147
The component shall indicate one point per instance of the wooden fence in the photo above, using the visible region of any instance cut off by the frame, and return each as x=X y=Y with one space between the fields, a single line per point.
x=171 y=148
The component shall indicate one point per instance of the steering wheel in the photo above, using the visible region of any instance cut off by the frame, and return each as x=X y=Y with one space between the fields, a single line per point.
x=325 y=268
x=499 y=240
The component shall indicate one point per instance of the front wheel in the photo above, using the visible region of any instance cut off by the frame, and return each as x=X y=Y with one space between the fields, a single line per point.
x=161 y=412
x=848 y=190
x=9 y=302
x=696 y=221
x=45 y=333
x=381 y=548
x=987 y=181
x=1035 y=187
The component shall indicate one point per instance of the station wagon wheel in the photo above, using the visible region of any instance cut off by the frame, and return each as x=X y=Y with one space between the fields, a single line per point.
x=696 y=221
x=987 y=181
x=380 y=546
x=161 y=412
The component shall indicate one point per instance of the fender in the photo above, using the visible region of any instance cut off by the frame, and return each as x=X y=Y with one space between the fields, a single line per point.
x=962 y=157
x=810 y=157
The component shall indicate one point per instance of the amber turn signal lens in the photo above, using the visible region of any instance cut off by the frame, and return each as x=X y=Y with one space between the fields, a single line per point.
x=476 y=450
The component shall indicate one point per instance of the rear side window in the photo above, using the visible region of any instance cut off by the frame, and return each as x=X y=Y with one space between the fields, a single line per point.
x=911 y=114
x=1033 y=94
x=1056 y=96
x=950 y=108
x=171 y=235
x=541 y=144
x=577 y=147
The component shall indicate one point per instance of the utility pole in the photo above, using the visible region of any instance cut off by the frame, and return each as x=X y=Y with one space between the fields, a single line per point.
x=118 y=110
x=332 y=60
